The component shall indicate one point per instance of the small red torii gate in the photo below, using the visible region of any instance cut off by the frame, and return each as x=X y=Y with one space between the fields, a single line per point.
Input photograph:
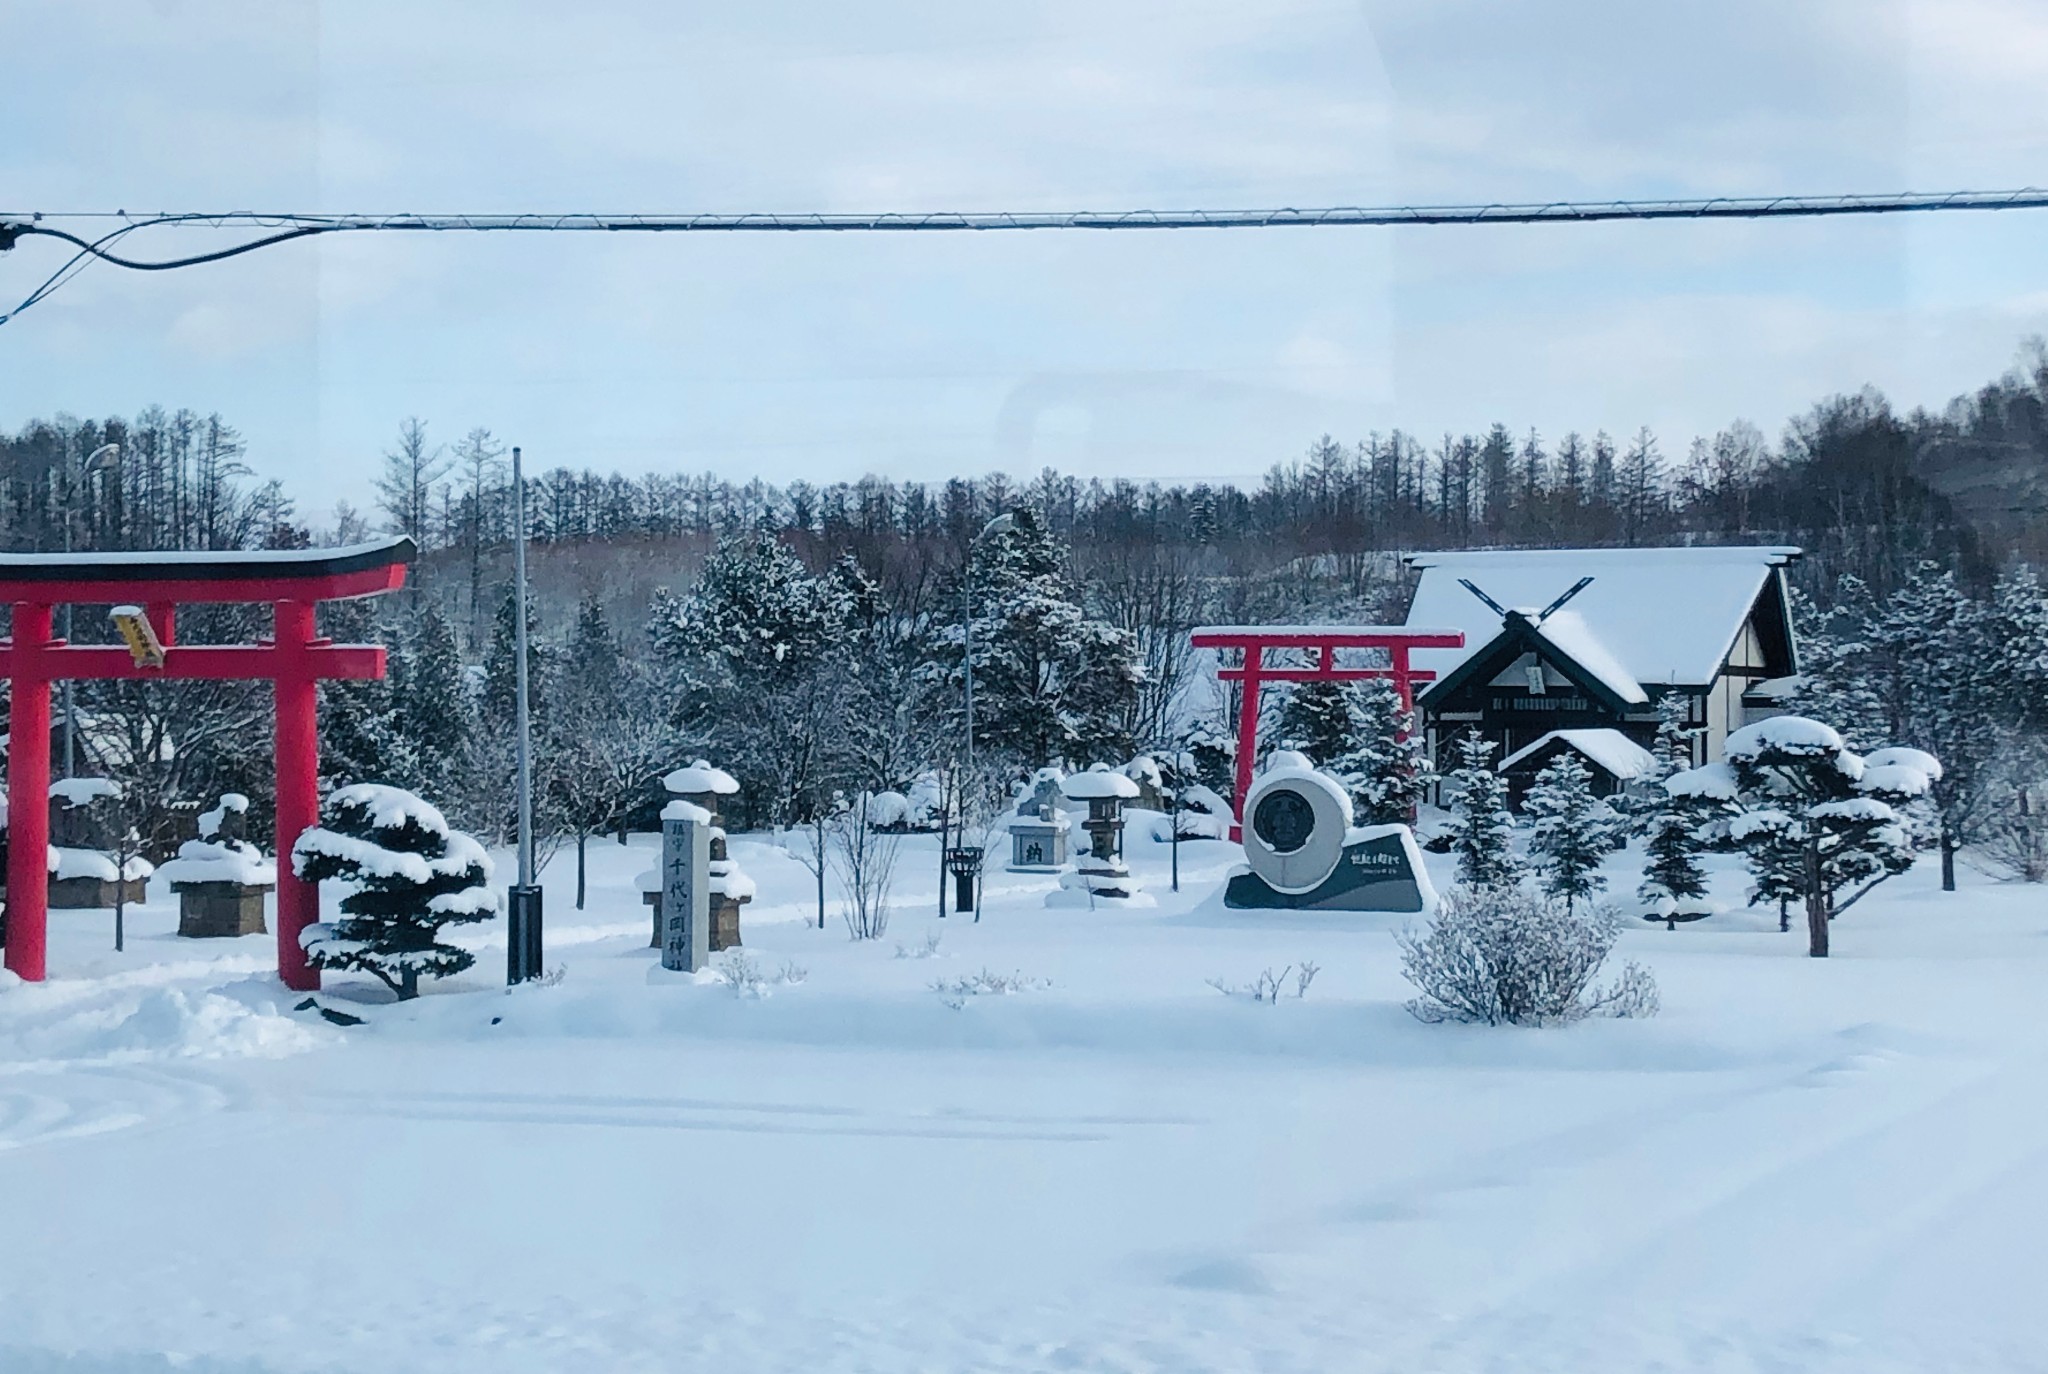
x=1323 y=642
x=294 y=659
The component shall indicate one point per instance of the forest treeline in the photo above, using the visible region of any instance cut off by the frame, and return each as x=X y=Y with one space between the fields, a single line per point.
x=673 y=583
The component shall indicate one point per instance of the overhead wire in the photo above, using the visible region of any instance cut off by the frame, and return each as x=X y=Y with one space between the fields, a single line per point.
x=287 y=227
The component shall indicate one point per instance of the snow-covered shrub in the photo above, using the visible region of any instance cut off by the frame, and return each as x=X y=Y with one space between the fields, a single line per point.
x=928 y=950
x=865 y=859
x=746 y=976
x=954 y=992
x=408 y=875
x=2014 y=832
x=1268 y=986
x=1503 y=955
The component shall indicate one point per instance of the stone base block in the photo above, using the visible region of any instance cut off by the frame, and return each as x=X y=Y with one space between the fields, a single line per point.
x=95 y=894
x=725 y=923
x=219 y=910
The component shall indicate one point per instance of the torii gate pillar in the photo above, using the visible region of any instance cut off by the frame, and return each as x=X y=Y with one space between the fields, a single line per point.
x=295 y=660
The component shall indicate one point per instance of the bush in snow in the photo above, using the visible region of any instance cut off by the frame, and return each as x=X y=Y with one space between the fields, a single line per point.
x=954 y=992
x=1571 y=830
x=865 y=859
x=2014 y=832
x=1503 y=955
x=1481 y=829
x=1813 y=816
x=1268 y=986
x=409 y=875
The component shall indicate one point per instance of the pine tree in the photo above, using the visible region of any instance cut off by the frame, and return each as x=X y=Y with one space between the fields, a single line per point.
x=1320 y=719
x=1674 y=883
x=1570 y=831
x=1482 y=831
x=1051 y=681
x=409 y=875
x=430 y=705
x=1798 y=789
x=1389 y=771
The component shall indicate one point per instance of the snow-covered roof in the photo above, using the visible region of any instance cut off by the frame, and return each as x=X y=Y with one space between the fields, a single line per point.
x=1663 y=616
x=699 y=778
x=76 y=792
x=1621 y=756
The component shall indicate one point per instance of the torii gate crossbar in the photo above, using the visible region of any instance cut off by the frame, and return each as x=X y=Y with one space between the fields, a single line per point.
x=1321 y=642
x=295 y=660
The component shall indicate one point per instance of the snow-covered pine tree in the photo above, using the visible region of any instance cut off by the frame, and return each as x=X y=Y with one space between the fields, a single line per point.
x=1321 y=720
x=430 y=705
x=1834 y=662
x=1051 y=680
x=1571 y=830
x=1796 y=785
x=1482 y=831
x=408 y=874
x=1672 y=748
x=1389 y=770
x=1213 y=752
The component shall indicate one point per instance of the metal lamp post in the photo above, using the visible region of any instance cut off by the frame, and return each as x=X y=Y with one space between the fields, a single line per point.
x=1002 y=524
x=523 y=901
x=102 y=459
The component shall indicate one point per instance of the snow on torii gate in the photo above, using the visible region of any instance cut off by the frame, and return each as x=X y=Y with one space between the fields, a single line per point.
x=1322 y=642
x=294 y=659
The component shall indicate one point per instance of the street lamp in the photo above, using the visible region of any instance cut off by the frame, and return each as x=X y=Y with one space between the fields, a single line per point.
x=1001 y=524
x=522 y=905
x=105 y=458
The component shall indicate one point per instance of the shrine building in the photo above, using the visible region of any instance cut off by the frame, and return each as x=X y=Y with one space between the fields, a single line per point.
x=1575 y=649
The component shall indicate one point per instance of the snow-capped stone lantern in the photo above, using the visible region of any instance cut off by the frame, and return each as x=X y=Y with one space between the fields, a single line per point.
x=220 y=878
x=84 y=840
x=1101 y=872
x=706 y=787
x=1039 y=826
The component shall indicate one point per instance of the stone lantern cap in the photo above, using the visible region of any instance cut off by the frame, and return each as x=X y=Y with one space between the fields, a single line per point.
x=701 y=779
x=1099 y=784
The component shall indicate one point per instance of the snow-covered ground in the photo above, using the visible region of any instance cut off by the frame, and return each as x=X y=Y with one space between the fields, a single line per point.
x=1801 y=1165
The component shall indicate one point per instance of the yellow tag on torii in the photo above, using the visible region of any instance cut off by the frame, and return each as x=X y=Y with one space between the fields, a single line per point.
x=143 y=645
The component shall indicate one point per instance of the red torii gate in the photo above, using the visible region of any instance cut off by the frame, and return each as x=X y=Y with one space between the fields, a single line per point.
x=295 y=659
x=1323 y=641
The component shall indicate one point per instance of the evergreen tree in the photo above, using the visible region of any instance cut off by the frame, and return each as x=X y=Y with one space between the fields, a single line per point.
x=408 y=875
x=1388 y=772
x=1798 y=788
x=1570 y=830
x=1051 y=681
x=1321 y=720
x=1674 y=884
x=1482 y=831
x=430 y=705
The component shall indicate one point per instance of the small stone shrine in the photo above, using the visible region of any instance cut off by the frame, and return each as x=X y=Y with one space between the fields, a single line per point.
x=706 y=787
x=220 y=878
x=1039 y=826
x=1101 y=871
x=83 y=839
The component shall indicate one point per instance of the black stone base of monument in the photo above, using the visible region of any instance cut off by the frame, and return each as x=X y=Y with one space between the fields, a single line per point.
x=208 y=911
x=1372 y=875
x=95 y=894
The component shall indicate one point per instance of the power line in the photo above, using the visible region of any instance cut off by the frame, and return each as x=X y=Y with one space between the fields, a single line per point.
x=285 y=227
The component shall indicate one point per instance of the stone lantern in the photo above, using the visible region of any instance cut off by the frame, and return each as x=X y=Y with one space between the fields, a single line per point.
x=708 y=788
x=1039 y=827
x=83 y=841
x=1102 y=872
x=220 y=878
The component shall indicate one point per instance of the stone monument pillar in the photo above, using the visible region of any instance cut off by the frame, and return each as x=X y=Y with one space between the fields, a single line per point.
x=685 y=910
x=706 y=788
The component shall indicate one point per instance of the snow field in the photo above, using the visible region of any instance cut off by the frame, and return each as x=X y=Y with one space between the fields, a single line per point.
x=1800 y=1165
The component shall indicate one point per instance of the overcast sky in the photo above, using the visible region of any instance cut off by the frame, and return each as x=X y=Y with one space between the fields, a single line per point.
x=1172 y=355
